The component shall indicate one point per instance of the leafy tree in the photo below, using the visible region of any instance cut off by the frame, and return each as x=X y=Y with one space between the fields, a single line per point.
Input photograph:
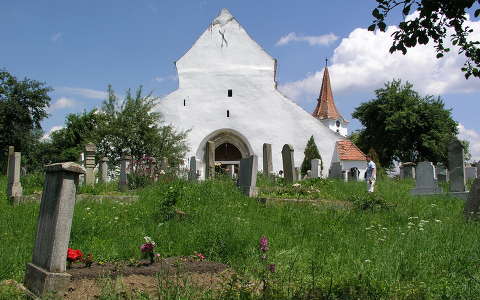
x=23 y=105
x=403 y=126
x=436 y=20
x=466 y=150
x=311 y=152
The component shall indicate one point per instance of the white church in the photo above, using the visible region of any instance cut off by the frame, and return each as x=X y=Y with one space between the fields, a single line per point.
x=227 y=94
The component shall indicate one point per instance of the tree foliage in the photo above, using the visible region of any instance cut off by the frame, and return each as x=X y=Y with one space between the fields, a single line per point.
x=436 y=20
x=311 y=152
x=23 y=105
x=403 y=126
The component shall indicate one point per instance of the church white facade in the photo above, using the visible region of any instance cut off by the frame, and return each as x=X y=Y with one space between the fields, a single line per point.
x=228 y=94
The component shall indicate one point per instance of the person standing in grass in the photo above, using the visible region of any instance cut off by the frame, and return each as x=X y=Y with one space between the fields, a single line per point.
x=370 y=174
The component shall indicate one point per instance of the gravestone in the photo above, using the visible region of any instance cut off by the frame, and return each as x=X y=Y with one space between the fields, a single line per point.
x=470 y=173
x=124 y=171
x=104 y=169
x=425 y=182
x=309 y=174
x=14 y=187
x=90 y=150
x=46 y=273
x=345 y=176
x=210 y=160
x=267 y=160
x=152 y=165
x=456 y=166
x=354 y=174
x=298 y=174
x=441 y=172
x=81 y=162
x=473 y=200
x=288 y=163
x=247 y=177
x=316 y=168
x=192 y=173
x=164 y=164
x=231 y=171
x=407 y=170
x=336 y=170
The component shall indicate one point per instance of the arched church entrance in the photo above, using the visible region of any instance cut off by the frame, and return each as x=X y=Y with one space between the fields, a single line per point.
x=223 y=150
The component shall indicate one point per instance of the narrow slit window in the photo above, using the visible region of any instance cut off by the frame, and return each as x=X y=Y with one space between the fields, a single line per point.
x=228 y=113
x=230 y=93
x=184 y=102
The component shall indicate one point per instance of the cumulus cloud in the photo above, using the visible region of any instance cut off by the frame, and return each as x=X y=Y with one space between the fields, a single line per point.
x=47 y=135
x=473 y=137
x=87 y=93
x=362 y=61
x=320 y=40
x=62 y=103
x=55 y=37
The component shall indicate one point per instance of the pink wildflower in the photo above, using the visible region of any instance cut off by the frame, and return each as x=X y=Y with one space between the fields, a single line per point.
x=264 y=244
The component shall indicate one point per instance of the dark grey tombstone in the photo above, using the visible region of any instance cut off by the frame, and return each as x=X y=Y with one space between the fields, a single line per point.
x=247 y=177
x=456 y=165
x=124 y=171
x=336 y=170
x=473 y=200
x=267 y=160
x=425 y=182
x=316 y=168
x=192 y=173
x=46 y=273
x=288 y=163
x=470 y=173
x=209 y=160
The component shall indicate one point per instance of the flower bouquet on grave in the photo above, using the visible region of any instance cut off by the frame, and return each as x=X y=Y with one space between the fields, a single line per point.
x=147 y=249
x=74 y=256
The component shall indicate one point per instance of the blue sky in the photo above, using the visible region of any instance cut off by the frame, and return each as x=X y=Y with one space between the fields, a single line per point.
x=79 y=47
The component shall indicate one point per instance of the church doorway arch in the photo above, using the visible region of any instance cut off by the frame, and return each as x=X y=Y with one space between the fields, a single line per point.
x=222 y=151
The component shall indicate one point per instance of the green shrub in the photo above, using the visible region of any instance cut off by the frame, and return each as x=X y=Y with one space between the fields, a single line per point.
x=372 y=201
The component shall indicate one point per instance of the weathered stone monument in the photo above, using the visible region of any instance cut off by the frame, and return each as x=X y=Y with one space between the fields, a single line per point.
x=104 y=170
x=210 y=160
x=164 y=164
x=288 y=163
x=473 y=200
x=124 y=171
x=441 y=172
x=267 y=160
x=247 y=176
x=425 y=182
x=192 y=173
x=456 y=165
x=298 y=174
x=81 y=162
x=47 y=273
x=336 y=170
x=14 y=187
x=345 y=175
x=309 y=174
x=90 y=150
x=470 y=173
x=315 y=168
x=407 y=170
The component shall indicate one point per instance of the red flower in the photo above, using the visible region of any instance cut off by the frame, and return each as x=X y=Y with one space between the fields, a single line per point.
x=200 y=256
x=74 y=255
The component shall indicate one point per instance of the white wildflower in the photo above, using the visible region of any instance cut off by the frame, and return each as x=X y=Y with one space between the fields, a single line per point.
x=421 y=228
x=438 y=221
x=296 y=184
x=367 y=261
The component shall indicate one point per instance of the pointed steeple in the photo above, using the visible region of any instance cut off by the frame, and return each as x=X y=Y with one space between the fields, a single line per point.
x=326 y=108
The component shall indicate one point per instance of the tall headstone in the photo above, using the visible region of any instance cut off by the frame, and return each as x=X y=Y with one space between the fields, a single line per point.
x=441 y=172
x=298 y=174
x=456 y=166
x=288 y=163
x=124 y=171
x=470 y=173
x=192 y=173
x=90 y=150
x=473 y=200
x=315 y=167
x=247 y=177
x=267 y=159
x=425 y=182
x=336 y=170
x=14 y=187
x=210 y=160
x=407 y=170
x=46 y=273
x=81 y=162
x=104 y=169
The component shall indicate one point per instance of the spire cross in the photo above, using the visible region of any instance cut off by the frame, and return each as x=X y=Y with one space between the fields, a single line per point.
x=326 y=62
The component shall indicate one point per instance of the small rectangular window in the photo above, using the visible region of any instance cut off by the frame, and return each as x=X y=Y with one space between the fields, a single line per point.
x=230 y=93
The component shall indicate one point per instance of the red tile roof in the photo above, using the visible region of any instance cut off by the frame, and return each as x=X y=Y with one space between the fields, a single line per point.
x=347 y=150
x=326 y=108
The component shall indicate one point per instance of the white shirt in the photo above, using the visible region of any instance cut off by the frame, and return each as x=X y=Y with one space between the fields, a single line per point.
x=370 y=167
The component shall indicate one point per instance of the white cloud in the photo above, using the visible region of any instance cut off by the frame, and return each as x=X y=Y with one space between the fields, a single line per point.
x=165 y=78
x=62 y=103
x=46 y=136
x=87 y=93
x=55 y=37
x=362 y=61
x=321 y=40
x=473 y=137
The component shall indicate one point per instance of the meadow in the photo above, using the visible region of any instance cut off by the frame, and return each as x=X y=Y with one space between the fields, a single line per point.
x=387 y=246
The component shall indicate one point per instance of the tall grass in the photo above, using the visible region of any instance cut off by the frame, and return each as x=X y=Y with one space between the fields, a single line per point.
x=420 y=248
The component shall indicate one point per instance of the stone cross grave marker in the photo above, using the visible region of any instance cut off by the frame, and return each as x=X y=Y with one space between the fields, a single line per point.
x=90 y=150
x=247 y=177
x=267 y=160
x=288 y=163
x=124 y=171
x=473 y=200
x=103 y=169
x=315 y=167
x=425 y=182
x=192 y=173
x=456 y=166
x=14 y=187
x=46 y=273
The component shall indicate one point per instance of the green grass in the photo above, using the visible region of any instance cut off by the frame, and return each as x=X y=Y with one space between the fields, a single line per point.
x=419 y=248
